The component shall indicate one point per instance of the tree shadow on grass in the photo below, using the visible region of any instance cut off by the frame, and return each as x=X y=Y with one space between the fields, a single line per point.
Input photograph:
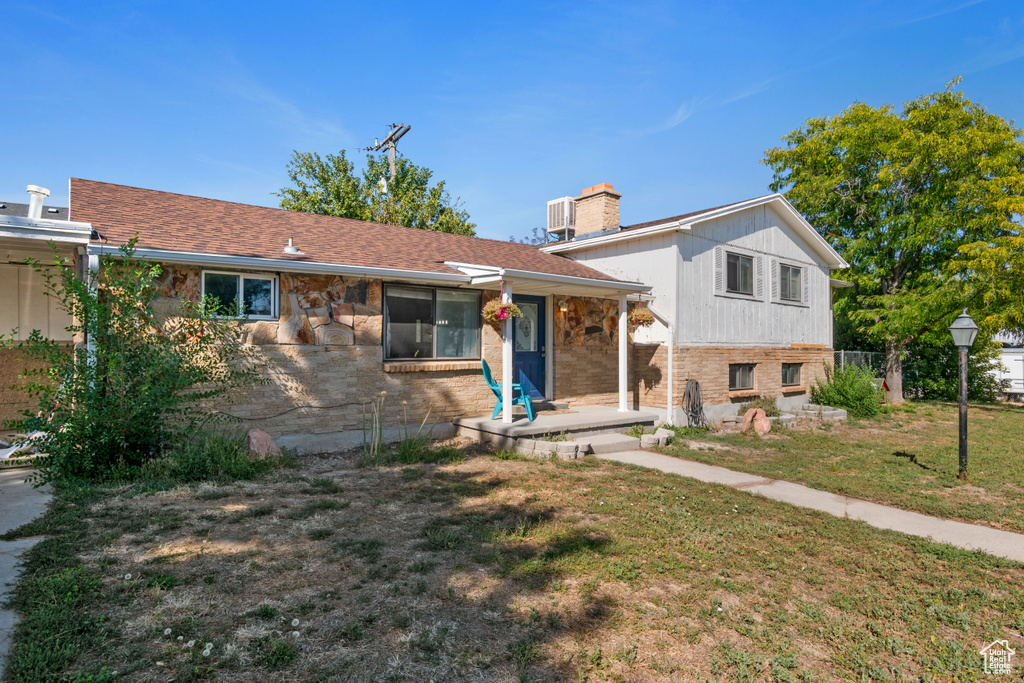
x=913 y=459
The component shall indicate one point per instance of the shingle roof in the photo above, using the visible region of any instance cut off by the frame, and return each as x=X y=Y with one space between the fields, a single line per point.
x=677 y=218
x=57 y=213
x=176 y=222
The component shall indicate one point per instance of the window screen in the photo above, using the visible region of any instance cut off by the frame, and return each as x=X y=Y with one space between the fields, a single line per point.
x=789 y=283
x=790 y=374
x=741 y=377
x=739 y=274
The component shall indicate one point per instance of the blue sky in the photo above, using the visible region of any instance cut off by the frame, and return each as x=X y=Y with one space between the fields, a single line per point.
x=511 y=103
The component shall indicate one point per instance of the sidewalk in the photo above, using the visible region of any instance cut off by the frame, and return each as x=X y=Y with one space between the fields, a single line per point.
x=967 y=536
x=19 y=503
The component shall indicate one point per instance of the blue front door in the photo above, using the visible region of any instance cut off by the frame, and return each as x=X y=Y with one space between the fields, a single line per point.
x=528 y=345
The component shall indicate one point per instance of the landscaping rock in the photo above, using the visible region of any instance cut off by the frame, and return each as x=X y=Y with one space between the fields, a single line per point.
x=567 y=450
x=756 y=419
x=648 y=440
x=664 y=436
x=261 y=445
x=762 y=425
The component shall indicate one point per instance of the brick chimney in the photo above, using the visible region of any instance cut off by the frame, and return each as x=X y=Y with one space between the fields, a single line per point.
x=597 y=210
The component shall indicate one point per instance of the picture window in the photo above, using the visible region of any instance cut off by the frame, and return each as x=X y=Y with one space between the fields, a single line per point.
x=431 y=323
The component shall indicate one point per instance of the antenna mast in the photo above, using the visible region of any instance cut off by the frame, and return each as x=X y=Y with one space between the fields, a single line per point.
x=397 y=131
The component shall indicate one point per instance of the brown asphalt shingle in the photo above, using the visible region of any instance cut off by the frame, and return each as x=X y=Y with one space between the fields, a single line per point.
x=164 y=220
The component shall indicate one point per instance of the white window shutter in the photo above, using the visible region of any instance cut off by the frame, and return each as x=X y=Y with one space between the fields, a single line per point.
x=805 y=283
x=719 y=270
x=759 y=277
x=775 y=279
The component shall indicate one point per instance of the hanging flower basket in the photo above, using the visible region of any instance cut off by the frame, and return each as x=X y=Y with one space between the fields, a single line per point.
x=640 y=317
x=495 y=312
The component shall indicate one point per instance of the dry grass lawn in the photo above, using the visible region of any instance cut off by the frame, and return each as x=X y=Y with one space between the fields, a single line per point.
x=506 y=570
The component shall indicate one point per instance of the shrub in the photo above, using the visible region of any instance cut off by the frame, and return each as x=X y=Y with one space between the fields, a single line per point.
x=766 y=403
x=210 y=455
x=138 y=389
x=852 y=388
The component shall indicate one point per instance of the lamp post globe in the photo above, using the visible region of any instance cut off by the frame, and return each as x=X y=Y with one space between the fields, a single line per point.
x=963 y=330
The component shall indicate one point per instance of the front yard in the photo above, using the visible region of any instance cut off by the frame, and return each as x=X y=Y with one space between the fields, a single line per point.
x=498 y=569
x=906 y=458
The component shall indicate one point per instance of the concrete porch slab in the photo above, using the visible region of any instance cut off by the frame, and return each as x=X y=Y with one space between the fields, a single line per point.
x=578 y=421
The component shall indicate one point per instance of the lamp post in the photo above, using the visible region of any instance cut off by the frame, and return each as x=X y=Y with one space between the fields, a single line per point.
x=964 y=330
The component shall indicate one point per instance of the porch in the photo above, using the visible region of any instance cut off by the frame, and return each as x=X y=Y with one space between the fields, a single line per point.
x=558 y=419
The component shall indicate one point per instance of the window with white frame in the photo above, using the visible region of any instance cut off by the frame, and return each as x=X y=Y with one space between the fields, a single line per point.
x=791 y=374
x=741 y=377
x=790 y=283
x=739 y=273
x=423 y=322
x=245 y=294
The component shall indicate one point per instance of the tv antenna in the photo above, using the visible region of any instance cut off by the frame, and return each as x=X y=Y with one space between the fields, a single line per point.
x=397 y=131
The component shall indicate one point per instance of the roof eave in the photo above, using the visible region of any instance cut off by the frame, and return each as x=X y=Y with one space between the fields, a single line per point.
x=283 y=265
x=50 y=230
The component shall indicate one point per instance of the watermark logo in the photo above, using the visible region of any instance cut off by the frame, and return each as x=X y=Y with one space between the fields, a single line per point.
x=997 y=656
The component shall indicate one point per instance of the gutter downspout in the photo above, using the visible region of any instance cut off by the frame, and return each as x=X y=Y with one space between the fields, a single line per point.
x=671 y=354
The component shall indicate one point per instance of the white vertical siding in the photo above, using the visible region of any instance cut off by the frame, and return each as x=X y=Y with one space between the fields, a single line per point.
x=24 y=305
x=680 y=266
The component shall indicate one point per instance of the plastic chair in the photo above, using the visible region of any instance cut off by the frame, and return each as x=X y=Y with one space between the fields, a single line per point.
x=518 y=395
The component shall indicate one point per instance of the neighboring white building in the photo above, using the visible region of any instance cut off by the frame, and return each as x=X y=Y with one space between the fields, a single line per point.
x=26 y=231
x=745 y=288
x=1012 y=370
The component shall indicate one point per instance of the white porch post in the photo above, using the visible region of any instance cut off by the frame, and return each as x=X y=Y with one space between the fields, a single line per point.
x=671 y=374
x=623 y=356
x=506 y=361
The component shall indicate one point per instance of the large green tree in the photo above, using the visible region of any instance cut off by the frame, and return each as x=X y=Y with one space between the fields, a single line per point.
x=908 y=198
x=330 y=186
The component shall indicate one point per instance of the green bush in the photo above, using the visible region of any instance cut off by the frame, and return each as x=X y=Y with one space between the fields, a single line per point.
x=139 y=388
x=852 y=388
x=765 y=403
x=931 y=372
x=210 y=456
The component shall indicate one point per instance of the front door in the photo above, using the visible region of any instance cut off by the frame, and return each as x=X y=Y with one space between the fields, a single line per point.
x=528 y=345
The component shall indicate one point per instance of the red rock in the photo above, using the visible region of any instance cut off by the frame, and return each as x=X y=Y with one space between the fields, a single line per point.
x=748 y=419
x=319 y=316
x=342 y=313
x=261 y=445
x=762 y=425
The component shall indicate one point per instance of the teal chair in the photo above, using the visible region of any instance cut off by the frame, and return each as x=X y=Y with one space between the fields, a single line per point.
x=518 y=395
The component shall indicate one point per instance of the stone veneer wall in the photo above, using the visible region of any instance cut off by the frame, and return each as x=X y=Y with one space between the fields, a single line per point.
x=586 y=362
x=325 y=361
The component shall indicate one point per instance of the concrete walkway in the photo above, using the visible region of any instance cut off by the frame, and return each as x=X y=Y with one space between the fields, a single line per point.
x=19 y=504
x=968 y=536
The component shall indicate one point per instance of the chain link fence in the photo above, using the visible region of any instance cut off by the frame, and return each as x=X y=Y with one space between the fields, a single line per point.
x=864 y=359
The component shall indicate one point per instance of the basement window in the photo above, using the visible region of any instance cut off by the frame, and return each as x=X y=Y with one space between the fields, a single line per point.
x=741 y=377
x=424 y=323
x=739 y=274
x=791 y=374
x=242 y=294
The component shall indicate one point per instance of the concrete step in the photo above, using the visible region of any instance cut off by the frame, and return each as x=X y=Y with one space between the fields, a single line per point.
x=541 y=406
x=612 y=443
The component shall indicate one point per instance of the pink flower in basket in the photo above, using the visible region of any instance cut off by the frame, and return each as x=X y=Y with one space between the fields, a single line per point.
x=502 y=313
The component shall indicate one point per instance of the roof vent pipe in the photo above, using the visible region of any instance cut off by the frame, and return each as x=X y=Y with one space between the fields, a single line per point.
x=35 y=202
